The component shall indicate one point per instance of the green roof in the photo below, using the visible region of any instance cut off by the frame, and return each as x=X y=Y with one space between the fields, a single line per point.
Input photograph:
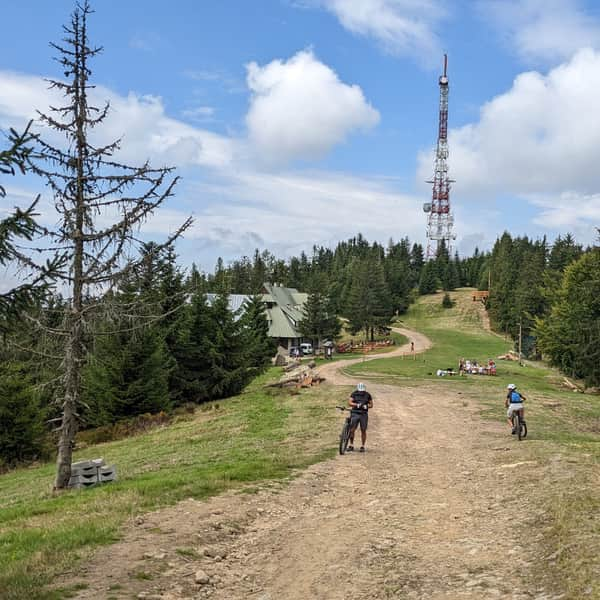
x=284 y=311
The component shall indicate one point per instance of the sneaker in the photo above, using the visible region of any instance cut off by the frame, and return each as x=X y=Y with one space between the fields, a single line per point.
x=362 y=449
x=350 y=449
x=513 y=431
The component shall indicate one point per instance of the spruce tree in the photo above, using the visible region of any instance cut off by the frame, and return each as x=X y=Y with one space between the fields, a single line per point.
x=428 y=283
x=87 y=182
x=229 y=370
x=564 y=251
x=144 y=376
x=369 y=302
x=258 y=346
x=398 y=276
x=417 y=262
x=320 y=321
x=570 y=335
x=501 y=302
x=259 y=273
x=193 y=353
x=172 y=304
x=359 y=298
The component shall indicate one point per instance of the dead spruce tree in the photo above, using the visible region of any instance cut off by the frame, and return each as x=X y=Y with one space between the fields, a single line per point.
x=101 y=205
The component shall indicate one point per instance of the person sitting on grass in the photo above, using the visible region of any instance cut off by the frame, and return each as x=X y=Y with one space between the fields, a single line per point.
x=360 y=400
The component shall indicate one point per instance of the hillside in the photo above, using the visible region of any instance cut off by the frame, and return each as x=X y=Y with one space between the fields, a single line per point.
x=225 y=504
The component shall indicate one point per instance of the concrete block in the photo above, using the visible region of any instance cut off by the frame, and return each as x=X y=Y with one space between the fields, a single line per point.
x=80 y=481
x=95 y=462
x=107 y=473
x=84 y=467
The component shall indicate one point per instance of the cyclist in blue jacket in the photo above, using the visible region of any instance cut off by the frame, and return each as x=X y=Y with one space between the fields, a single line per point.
x=514 y=401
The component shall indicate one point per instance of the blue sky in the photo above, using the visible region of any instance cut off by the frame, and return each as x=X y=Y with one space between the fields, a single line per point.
x=295 y=122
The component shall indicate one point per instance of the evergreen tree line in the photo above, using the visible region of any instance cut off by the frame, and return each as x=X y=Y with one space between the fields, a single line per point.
x=173 y=348
x=365 y=283
x=170 y=346
x=330 y=269
x=551 y=293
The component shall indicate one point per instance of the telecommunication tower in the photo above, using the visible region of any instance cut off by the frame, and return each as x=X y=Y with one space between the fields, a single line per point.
x=439 y=218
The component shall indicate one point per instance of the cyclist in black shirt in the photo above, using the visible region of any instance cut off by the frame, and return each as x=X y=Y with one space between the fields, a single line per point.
x=360 y=401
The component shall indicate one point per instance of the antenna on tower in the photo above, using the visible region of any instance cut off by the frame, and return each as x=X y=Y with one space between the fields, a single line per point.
x=439 y=218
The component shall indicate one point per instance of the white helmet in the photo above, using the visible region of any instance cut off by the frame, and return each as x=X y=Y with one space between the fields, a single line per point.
x=511 y=386
x=361 y=387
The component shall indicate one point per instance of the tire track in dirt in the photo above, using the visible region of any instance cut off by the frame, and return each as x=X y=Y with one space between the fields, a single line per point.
x=427 y=512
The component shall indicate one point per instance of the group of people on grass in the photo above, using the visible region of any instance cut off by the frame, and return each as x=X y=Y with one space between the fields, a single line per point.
x=474 y=368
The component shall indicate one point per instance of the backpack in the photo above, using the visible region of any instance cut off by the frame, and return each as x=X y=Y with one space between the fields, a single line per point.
x=515 y=397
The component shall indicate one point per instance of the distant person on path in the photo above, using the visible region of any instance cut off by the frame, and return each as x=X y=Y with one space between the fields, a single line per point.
x=412 y=346
x=360 y=401
x=514 y=401
x=461 y=366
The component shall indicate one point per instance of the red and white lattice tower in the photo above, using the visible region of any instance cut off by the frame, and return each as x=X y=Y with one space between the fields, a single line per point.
x=439 y=218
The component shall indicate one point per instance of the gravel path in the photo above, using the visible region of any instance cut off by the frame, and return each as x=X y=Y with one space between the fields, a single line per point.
x=428 y=512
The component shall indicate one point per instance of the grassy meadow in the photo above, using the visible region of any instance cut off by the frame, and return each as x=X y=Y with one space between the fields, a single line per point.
x=260 y=435
x=563 y=440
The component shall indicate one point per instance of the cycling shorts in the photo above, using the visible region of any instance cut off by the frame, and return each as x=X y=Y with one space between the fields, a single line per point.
x=513 y=407
x=361 y=419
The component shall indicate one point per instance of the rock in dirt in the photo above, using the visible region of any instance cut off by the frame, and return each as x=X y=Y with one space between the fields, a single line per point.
x=201 y=577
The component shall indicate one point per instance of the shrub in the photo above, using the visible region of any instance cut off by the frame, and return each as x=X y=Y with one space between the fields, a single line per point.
x=447 y=301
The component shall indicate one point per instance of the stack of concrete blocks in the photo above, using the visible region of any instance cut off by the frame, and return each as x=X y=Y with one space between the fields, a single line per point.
x=87 y=473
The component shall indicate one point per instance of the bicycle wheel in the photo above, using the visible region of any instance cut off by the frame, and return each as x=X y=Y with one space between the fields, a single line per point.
x=344 y=436
x=523 y=429
x=518 y=425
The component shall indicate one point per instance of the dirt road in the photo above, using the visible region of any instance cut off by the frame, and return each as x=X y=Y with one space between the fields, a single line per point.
x=428 y=512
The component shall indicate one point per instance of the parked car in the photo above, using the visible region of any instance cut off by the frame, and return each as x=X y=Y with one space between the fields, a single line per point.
x=306 y=348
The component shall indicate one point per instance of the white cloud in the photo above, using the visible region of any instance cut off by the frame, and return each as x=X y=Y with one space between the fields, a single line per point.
x=147 y=131
x=543 y=30
x=289 y=212
x=301 y=109
x=401 y=27
x=569 y=211
x=539 y=137
x=21 y=96
x=298 y=109
x=305 y=110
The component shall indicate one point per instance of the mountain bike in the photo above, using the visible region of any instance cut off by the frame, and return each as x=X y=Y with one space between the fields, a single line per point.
x=346 y=429
x=519 y=426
